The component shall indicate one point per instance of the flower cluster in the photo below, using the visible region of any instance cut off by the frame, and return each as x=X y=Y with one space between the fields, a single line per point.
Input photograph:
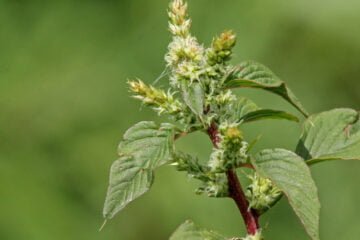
x=221 y=48
x=232 y=149
x=261 y=193
x=214 y=184
x=189 y=60
x=156 y=98
x=179 y=22
x=185 y=57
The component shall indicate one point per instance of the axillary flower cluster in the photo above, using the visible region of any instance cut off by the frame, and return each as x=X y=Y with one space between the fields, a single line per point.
x=198 y=73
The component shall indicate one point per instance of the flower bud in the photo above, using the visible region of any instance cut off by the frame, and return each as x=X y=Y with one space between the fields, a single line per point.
x=233 y=133
x=232 y=150
x=216 y=187
x=221 y=48
x=226 y=41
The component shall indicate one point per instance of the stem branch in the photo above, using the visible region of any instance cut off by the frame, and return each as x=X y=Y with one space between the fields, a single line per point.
x=249 y=216
x=237 y=194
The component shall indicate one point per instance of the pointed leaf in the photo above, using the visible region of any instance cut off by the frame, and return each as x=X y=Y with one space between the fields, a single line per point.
x=145 y=147
x=193 y=96
x=331 y=135
x=148 y=143
x=247 y=111
x=255 y=75
x=268 y=114
x=291 y=175
x=128 y=181
x=188 y=231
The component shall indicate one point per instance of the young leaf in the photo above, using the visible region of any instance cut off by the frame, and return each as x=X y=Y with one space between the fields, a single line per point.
x=193 y=96
x=145 y=147
x=247 y=111
x=188 y=230
x=331 y=135
x=255 y=75
x=291 y=175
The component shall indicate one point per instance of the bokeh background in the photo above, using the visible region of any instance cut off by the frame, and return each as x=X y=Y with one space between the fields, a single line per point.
x=64 y=105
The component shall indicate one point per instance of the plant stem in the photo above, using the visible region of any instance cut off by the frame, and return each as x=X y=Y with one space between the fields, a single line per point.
x=237 y=194
x=249 y=216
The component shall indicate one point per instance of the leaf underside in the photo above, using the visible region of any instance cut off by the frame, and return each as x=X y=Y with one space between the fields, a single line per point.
x=291 y=175
x=145 y=146
x=255 y=75
x=188 y=231
x=331 y=135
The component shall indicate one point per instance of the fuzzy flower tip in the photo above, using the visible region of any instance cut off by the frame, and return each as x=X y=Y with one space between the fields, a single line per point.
x=221 y=47
x=179 y=23
x=156 y=98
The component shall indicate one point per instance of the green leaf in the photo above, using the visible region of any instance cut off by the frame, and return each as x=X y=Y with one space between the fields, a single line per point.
x=188 y=231
x=247 y=111
x=254 y=75
x=148 y=143
x=128 y=181
x=291 y=175
x=145 y=147
x=193 y=96
x=242 y=107
x=331 y=135
x=268 y=114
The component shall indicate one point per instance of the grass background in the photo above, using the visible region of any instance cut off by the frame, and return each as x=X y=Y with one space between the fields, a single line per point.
x=64 y=105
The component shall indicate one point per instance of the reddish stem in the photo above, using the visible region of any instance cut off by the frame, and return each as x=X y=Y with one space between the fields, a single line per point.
x=249 y=216
x=237 y=194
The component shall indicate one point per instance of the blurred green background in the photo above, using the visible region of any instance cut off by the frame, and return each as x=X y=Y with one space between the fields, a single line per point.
x=64 y=106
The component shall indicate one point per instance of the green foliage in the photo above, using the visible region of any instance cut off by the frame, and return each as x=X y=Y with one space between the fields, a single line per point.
x=245 y=110
x=128 y=180
x=268 y=114
x=200 y=99
x=290 y=174
x=188 y=230
x=254 y=75
x=242 y=107
x=331 y=135
x=145 y=147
